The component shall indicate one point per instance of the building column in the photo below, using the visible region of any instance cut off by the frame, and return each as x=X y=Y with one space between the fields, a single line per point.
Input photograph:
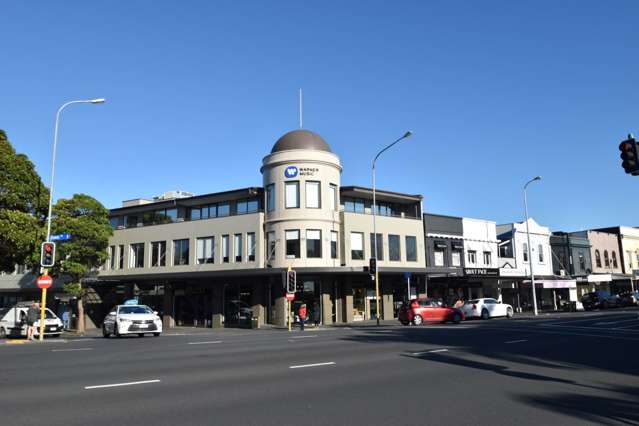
x=347 y=301
x=325 y=300
x=168 y=319
x=217 y=306
x=281 y=304
x=387 y=301
x=258 y=303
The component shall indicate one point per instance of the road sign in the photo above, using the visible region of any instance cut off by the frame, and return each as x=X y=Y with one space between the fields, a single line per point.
x=44 y=281
x=60 y=237
x=407 y=275
x=290 y=296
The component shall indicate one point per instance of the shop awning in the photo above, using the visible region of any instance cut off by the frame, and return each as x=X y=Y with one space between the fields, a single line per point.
x=552 y=283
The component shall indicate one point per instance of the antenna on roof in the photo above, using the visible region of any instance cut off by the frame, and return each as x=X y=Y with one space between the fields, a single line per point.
x=301 y=113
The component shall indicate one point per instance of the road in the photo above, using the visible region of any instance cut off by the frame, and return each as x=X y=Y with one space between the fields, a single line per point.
x=570 y=369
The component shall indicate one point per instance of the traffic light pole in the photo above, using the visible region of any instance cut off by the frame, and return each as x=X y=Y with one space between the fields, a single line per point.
x=43 y=307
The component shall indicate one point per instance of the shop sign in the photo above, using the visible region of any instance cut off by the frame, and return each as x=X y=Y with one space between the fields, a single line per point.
x=308 y=171
x=487 y=272
x=290 y=172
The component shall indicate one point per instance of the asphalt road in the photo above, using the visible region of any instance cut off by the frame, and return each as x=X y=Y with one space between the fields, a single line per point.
x=571 y=369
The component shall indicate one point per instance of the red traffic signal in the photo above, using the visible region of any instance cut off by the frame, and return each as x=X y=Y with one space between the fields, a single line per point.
x=629 y=155
x=47 y=254
x=291 y=281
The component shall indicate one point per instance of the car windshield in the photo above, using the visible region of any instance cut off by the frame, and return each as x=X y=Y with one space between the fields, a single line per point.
x=471 y=302
x=50 y=315
x=134 y=310
x=4 y=311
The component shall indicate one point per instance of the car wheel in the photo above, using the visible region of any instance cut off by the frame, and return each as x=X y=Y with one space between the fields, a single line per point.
x=116 y=332
x=485 y=315
x=604 y=305
x=418 y=320
x=105 y=333
x=156 y=334
x=3 y=333
x=140 y=334
x=509 y=313
x=456 y=318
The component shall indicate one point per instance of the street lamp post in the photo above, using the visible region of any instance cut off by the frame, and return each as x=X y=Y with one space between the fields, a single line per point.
x=406 y=135
x=530 y=257
x=55 y=144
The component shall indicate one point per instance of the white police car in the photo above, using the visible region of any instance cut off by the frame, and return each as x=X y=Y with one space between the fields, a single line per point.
x=131 y=319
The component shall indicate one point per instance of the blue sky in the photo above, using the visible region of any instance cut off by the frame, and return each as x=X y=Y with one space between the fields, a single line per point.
x=495 y=92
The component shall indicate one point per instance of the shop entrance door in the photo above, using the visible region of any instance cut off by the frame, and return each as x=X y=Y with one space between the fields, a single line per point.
x=237 y=305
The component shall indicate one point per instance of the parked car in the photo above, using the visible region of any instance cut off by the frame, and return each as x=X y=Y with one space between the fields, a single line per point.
x=486 y=308
x=13 y=322
x=418 y=311
x=131 y=319
x=629 y=298
x=600 y=299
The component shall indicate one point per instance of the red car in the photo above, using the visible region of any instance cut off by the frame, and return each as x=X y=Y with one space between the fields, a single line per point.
x=428 y=310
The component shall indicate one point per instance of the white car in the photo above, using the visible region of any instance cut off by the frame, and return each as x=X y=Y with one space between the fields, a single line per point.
x=13 y=322
x=486 y=308
x=131 y=319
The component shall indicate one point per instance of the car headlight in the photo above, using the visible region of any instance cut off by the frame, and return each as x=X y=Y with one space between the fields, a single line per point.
x=124 y=320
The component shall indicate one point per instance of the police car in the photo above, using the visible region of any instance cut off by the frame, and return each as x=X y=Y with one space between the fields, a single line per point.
x=131 y=318
x=13 y=322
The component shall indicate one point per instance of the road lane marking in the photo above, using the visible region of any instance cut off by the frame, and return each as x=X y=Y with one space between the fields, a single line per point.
x=205 y=343
x=312 y=365
x=113 y=385
x=434 y=351
x=71 y=350
x=302 y=337
x=516 y=341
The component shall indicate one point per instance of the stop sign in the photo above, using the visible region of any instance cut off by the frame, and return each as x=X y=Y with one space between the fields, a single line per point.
x=290 y=296
x=44 y=281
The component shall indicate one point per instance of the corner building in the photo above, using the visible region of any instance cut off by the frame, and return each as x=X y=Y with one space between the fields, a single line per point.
x=212 y=260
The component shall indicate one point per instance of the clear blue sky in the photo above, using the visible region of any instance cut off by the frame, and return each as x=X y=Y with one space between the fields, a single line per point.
x=495 y=92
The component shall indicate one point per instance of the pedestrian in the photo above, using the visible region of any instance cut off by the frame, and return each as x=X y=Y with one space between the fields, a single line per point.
x=32 y=317
x=65 y=319
x=301 y=313
x=316 y=314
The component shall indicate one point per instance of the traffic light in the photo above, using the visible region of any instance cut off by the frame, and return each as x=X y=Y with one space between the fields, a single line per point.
x=47 y=254
x=372 y=266
x=629 y=155
x=291 y=279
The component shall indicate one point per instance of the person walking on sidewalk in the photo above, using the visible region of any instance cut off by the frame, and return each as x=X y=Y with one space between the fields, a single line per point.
x=316 y=314
x=301 y=313
x=32 y=317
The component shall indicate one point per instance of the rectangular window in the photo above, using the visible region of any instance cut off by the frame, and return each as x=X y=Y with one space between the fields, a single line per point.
x=237 y=247
x=246 y=206
x=456 y=258
x=293 y=243
x=205 y=250
x=250 y=246
x=380 y=246
x=541 y=253
x=170 y=215
x=472 y=257
x=223 y=209
x=313 y=243
x=357 y=246
x=349 y=206
x=439 y=257
x=241 y=207
x=270 y=244
x=270 y=198
x=582 y=261
x=333 y=244
x=136 y=255
x=121 y=257
x=292 y=195
x=359 y=206
x=148 y=218
x=313 y=199
x=131 y=221
x=180 y=252
x=525 y=252
x=487 y=258
x=209 y=211
x=394 y=251
x=111 y=257
x=333 y=197
x=158 y=253
x=195 y=213
x=225 y=248
x=411 y=249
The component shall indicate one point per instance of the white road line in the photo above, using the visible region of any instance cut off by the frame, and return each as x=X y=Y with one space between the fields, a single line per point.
x=302 y=337
x=113 y=385
x=312 y=365
x=516 y=341
x=429 y=352
x=205 y=343
x=70 y=350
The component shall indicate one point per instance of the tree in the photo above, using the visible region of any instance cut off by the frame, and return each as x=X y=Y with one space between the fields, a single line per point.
x=23 y=209
x=87 y=220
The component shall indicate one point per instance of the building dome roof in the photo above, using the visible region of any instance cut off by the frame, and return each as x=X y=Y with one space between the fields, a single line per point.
x=301 y=139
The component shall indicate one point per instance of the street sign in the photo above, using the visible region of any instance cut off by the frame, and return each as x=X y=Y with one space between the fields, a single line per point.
x=407 y=275
x=44 y=281
x=290 y=296
x=60 y=237
x=131 y=302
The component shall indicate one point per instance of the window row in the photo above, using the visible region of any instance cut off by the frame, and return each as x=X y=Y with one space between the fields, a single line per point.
x=472 y=258
x=313 y=238
x=540 y=252
x=205 y=252
x=606 y=259
x=313 y=195
x=358 y=205
x=377 y=246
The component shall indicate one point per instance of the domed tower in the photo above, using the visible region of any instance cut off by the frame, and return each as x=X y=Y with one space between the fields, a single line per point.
x=301 y=179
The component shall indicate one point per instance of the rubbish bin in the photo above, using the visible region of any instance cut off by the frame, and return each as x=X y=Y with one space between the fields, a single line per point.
x=254 y=323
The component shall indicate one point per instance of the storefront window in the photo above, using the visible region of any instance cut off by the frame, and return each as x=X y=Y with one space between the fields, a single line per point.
x=357 y=246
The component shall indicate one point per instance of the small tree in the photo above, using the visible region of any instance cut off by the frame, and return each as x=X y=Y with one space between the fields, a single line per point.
x=23 y=209
x=87 y=220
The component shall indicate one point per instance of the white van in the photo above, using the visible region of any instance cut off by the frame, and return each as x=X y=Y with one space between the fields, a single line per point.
x=13 y=322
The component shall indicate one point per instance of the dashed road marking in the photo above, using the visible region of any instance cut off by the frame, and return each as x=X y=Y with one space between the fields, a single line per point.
x=302 y=337
x=312 y=365
x=113 y=385
x=434 y=351
x=205 y=343
x=516 y=341
x=71 y=350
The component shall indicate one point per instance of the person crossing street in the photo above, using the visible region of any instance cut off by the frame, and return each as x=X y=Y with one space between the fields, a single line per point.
x=301 y=313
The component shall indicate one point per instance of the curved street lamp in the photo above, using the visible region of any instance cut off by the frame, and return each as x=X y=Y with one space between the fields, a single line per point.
x=530 y=257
